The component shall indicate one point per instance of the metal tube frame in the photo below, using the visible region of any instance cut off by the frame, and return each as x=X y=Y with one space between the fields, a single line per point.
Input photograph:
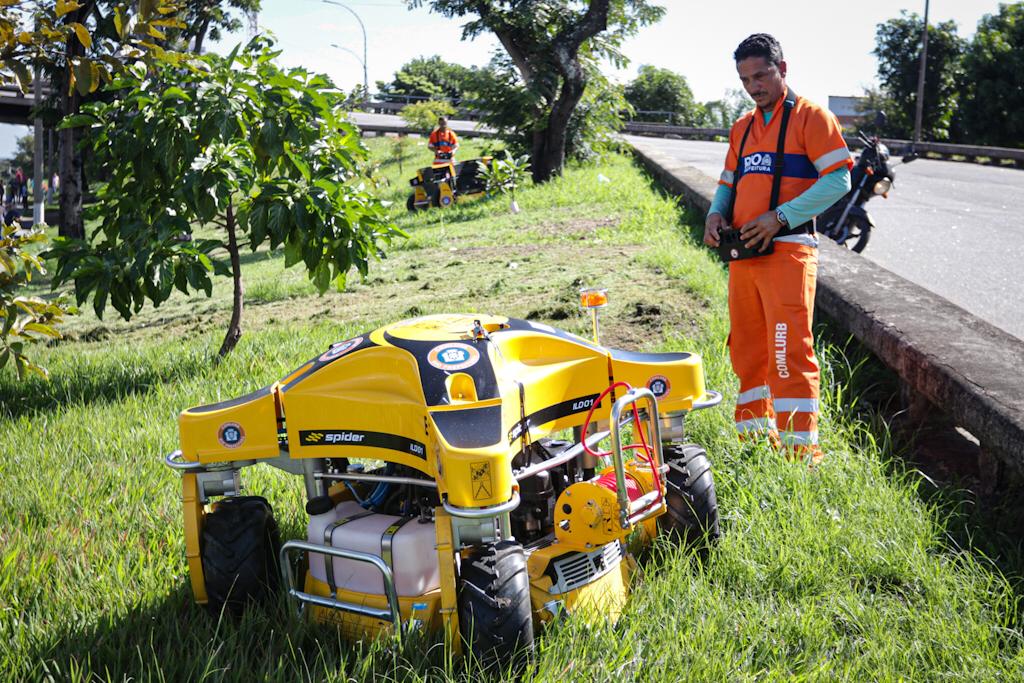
x=482 y=513
x=391 y=614
x=380 y=478
x=640 y=509
x=569 y=454
x=711 y=399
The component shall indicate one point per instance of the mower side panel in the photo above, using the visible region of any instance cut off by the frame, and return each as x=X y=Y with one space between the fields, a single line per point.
x=677 y=379
x=368 y=404
x=242 y=429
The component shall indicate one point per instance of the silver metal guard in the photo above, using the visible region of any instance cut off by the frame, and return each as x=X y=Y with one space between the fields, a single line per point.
x=482 y=513
x=650 y=503
x=391 y=614
x=174 y=461
x=711 y=399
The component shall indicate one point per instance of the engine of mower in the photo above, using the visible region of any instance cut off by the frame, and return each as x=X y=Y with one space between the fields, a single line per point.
x=436 y=492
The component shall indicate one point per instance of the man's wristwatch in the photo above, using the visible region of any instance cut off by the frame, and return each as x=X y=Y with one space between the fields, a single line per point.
x=781 y=218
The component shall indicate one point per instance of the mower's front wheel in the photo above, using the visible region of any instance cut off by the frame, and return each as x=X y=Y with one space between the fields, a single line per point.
x=495 y=617
x=690 y=496
x=239 y=548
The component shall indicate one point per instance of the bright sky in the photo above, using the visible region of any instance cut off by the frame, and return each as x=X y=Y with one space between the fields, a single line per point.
x=827 y=44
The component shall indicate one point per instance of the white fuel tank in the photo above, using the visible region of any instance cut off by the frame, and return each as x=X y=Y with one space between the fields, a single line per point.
x=349 y=526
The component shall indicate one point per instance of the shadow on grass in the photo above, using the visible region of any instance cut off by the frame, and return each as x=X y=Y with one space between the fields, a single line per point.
x=87 y=383
x=175 y=639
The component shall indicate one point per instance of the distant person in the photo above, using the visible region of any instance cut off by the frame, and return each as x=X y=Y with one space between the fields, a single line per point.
x=773 y=202
x=11 y=214
x=21 y=187
x=443 y=142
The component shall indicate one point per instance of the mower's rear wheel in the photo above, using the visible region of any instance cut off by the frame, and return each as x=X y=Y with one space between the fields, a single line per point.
x=692 y=506
x=239 y=550
x=410 y=203
x=495 y=616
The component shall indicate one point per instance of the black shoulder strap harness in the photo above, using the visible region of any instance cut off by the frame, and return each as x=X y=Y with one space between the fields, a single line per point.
x=780 y=162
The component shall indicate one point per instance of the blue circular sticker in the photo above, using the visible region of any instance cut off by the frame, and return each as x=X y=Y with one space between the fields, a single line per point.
x=231 y=435
x=453 y=356
x=659 y=386
x=340 y=349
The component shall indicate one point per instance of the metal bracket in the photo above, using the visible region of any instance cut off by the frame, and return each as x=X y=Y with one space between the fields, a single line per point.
x=392 y=614
x=632 y=512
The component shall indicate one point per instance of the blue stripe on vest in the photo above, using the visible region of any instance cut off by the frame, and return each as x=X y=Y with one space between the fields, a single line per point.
x=797 y=165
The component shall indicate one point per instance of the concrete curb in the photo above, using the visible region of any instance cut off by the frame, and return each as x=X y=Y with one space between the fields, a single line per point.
x=964 y=367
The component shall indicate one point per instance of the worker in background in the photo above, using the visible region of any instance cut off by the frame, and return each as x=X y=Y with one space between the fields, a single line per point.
x=771 y=296
x=443 y=142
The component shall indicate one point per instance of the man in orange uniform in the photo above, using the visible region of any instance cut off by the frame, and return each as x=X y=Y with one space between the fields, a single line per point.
x=443 y=141
x=771 y=296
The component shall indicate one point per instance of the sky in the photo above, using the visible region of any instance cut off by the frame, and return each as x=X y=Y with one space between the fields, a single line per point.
x=827 y=44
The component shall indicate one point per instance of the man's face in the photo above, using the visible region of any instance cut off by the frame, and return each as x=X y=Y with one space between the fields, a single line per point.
x=762 y=80
x=442 y=124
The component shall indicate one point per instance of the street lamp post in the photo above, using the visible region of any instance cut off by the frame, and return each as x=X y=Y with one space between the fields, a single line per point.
x=366 y=80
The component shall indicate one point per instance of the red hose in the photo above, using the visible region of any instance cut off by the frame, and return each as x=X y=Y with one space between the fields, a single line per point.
x=648 y=455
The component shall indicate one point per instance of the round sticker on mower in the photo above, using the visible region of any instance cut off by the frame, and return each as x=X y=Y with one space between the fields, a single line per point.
x=453 y=356
x=340 y=349
x=446 y=200
x=659 y=386
x=231 y=435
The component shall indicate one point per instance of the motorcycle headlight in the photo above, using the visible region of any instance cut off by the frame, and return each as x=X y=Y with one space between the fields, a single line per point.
x=882 y=186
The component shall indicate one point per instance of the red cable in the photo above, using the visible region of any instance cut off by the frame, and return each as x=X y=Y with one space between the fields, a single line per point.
x=642 y=446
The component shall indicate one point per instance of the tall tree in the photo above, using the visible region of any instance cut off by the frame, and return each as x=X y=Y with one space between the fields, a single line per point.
x=898 y=49
x=548 y=41
x=211 y=19
x=663 y=90
x=430 y=77
x=993 y=98
x=263 y=154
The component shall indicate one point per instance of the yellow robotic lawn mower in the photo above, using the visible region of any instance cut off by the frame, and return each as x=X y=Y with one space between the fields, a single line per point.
x=437 y=497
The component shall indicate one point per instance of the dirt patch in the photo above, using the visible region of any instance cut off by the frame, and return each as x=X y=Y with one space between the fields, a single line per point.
x=572 y=228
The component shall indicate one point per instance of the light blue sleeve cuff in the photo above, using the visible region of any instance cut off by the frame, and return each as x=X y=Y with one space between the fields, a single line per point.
x=720 y=204
x=825 y=192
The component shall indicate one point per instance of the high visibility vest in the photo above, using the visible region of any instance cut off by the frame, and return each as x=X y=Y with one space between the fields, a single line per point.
x=814 y=147
x=444 y=141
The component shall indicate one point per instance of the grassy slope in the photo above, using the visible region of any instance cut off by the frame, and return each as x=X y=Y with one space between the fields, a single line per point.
x=837 y=573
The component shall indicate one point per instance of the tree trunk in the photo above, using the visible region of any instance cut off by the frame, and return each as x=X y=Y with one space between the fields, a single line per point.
x=549 y=143
x=234 y=332
x=70 y=159
x=201 y=36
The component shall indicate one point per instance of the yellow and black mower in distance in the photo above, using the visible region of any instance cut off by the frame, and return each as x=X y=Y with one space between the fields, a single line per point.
x=445 y=182
x=437 y=498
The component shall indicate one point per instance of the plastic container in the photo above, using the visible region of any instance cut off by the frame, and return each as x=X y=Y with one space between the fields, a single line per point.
x=414 y=557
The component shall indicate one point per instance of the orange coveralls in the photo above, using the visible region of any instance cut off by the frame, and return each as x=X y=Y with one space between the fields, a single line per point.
x=443 y=141
x=771 y=298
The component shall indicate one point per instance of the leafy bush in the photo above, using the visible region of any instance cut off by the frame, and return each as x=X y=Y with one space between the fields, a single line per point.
x=24 y=319
x=422 y=116
x=506 y=175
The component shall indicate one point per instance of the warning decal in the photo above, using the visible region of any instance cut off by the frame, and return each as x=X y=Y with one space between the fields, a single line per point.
x=480 y=474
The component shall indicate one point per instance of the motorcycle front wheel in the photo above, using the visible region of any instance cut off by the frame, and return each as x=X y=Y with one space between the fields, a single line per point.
x=858 y=234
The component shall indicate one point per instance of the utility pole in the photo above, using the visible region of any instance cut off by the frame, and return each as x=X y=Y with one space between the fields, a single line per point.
x=920 y=77
x=366 y=80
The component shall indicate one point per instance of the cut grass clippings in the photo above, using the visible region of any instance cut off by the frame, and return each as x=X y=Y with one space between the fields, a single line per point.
x=840 y=573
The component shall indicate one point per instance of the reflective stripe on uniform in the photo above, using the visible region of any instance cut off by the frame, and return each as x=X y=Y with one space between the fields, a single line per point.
x=727 y=177
x=798 y=438
x=757 y=424
x=755 y=394
x=793 y=405
x=830 y=158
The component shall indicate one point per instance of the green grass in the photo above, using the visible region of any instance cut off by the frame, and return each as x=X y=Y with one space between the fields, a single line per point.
x=837 y=573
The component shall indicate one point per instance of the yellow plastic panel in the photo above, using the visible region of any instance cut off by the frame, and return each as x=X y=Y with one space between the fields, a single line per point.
x=366 y=405
x=676 y=383
x=242 y=429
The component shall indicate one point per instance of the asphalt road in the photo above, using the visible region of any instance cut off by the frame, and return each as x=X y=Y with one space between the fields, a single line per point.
x=953 y=228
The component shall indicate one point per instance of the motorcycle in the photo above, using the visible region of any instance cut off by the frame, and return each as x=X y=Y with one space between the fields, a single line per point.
x=847 y=221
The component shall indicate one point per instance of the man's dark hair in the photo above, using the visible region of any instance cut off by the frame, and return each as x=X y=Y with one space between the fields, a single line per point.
x=759 y=45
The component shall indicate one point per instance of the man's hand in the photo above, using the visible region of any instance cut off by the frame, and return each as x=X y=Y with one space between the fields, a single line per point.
x=760 y=230
x=712 y=227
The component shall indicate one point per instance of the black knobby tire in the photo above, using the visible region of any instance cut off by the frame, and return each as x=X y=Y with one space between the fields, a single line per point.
x=690 y=496
x=410 y=203
x=860 y=233
x=239 y=550
x=495 y=616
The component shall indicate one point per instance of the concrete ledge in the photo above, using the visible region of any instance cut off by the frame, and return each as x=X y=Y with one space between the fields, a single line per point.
x=965 y=367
